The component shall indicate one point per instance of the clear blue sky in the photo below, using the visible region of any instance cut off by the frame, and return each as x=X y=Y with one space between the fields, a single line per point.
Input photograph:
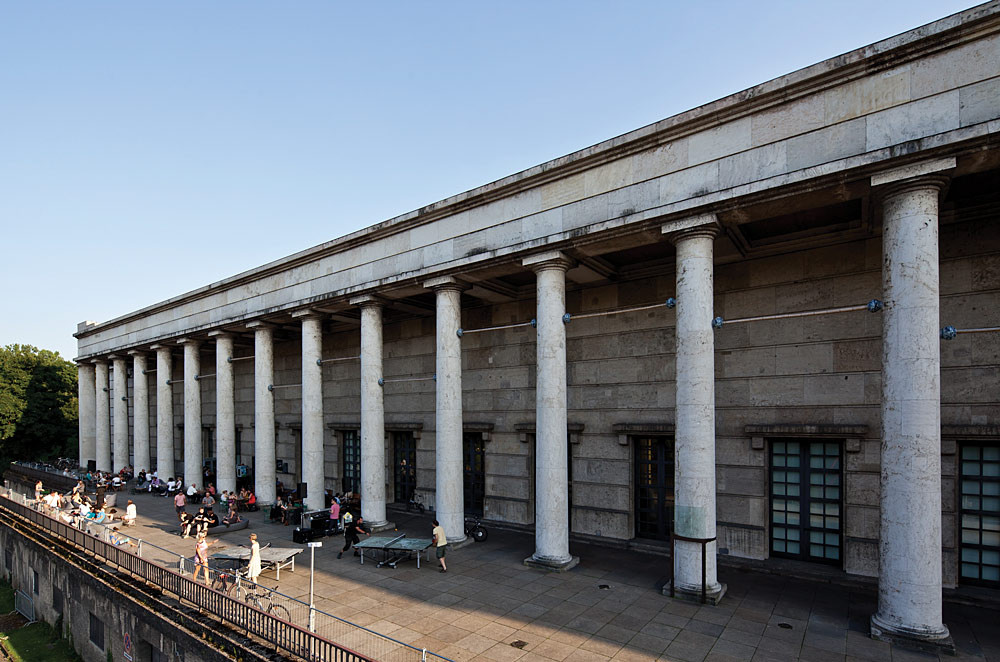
x=150 y=148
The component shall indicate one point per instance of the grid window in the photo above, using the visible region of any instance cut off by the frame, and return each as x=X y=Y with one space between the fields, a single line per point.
x=806 y=500
x=96 y=631
x=352 y=461
x=980 y=513
x=405 y=466
x=654 y=487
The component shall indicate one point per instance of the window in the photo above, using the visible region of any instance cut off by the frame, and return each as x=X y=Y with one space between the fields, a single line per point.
x=654 y=487
x=980 y=513
x=96 y=631
x=352 y=460
x=34 y=582
x=8 y=560
x=474 y=472
x=806 y=500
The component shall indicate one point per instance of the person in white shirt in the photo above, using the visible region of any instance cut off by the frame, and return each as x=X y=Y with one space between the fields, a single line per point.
x=130 y=514
x=192 y=491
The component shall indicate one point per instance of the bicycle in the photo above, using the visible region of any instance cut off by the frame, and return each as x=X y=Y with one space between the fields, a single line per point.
x=263 y=598
x=475 y=528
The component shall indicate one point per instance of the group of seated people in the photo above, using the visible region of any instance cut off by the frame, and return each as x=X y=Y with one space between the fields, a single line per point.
x=78 y=508
x=205 y=519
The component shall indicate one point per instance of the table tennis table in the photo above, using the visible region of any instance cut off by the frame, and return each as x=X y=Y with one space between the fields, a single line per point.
x=390 y=551
x=274 y=558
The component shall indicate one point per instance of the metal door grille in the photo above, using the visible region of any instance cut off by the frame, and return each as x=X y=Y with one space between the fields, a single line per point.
x=654 y=487
x=474 y=472
x=806 y=500
x=980 y=515
x=405 y=465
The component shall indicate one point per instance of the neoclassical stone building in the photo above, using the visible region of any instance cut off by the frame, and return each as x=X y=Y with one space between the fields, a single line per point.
x=727 y=324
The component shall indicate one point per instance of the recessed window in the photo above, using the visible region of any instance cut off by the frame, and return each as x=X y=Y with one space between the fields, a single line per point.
x=352 y=460
x=806 y=500
x=980 y=513
x=57 y=600
x=34 y=582
x=96 y=631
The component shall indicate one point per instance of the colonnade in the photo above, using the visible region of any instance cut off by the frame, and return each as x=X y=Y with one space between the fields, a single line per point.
x=910 y=576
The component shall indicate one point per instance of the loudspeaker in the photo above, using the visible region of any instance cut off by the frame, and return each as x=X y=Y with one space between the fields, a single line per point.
x=91 y=465
x=300 y=491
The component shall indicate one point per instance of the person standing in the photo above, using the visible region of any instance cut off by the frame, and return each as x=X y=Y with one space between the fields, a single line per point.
x=441 y=544
x=179 y=503
x=334 y=515
x=201 y=556
x=253 y=570
x=351 y=535
x=38 y=490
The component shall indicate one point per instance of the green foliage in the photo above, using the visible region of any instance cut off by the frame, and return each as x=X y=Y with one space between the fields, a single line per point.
x=38 y=642
x=38 y=404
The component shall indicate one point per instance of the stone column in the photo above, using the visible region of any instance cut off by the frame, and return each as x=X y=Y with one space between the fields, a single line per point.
x=450 y=486
x=909 y=604
x=372 y=413
x=120 y=412
x=694 y=438
x=88 y=413
x=265 y=480
x=551 y=436
x=192 y=412
x=313 y=467
x=225 y=413
x=164 y=413
x=140 y=411
x=103 y=427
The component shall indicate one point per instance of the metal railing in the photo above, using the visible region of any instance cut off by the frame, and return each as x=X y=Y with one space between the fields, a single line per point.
x=24 y=605
x=172 y=572
x=704 y=561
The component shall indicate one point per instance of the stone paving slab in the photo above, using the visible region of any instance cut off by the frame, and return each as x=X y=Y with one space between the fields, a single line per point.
x=489 y=606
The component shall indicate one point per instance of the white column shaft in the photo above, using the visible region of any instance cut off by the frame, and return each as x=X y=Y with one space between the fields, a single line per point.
x=312 y=413
x=263 y=429
x=88 y=413
x=225 y=416
x=551 y=469
x=120 y=410
x=140 y=412
x=372 y=417
x=192 y=415
x=694 y=480
x=103 y=427
x=449 y=488
x=910 y=540
x=164 y=414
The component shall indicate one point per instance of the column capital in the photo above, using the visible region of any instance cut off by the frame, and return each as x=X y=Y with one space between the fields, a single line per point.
x=99 y=361
x=306 y=314
x=704 y=225
x=446 y=283
x=938 y=183
x=367 y=301
x=913 y=171
x=115 y=357
x=548 y=260
x=260 y=325
x=220 y=334
x=161 y=346
x=192 y=342
x=138 y=352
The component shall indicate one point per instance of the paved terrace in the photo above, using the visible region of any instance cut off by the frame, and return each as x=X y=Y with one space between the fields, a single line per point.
x=489 y=600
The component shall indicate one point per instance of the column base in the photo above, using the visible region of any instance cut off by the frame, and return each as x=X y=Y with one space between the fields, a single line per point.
x=552 y=565
x=376 y=527
x=712 y=596
x=464 y=541
x=929 y=642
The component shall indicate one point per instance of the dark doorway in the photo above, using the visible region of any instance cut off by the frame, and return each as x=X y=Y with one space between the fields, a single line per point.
x=654 y=487
x=352 y=460
x=404 y=465
x=474 y=472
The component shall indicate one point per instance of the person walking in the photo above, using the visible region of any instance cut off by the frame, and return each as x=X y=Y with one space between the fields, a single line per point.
x=201 y=556
x=254 y=569
x=179 y=502
x=351 y=535
x=441 y=544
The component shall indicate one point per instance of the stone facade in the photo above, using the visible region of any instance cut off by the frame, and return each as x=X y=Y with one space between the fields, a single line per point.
x=791 y=187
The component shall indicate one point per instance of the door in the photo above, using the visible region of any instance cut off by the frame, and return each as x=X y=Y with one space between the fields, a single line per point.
x=980 y=513
x=806 y=500
x=473 y=472
x=404 y=466
x=352 y=460
x=654 y=487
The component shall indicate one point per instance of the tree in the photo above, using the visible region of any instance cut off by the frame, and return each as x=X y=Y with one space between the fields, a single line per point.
x=38 y=404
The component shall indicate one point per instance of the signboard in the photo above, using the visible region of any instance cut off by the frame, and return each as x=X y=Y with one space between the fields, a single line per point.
x=127 y=650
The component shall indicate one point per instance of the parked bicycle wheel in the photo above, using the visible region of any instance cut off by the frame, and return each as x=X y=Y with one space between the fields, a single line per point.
x=279 y=611
x=479 y=534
